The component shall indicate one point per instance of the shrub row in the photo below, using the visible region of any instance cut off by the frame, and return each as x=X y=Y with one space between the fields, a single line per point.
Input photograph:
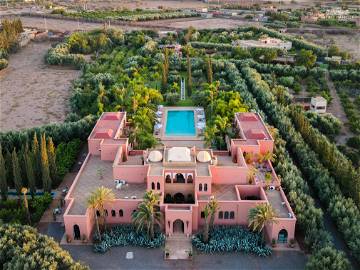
x=126 y=235
x=344 y=212
x=232 y=239
x=338 y=165
x=309 y=217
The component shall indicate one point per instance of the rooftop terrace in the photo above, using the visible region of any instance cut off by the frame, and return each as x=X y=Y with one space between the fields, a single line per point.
x=221 y=193
x=89 y=180
x=276 y=201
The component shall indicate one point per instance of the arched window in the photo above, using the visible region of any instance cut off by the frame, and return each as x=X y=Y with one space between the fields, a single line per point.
x=106 y=212
x=98 y=213
x=121 y=213
x=202 y=214
x=232 y=214
x=76 y=232
x=113 y=213
x=200 y=187
x=226 y=215
x=152 y=185
x=205 y=187
x=221 y=214
x=158 y=186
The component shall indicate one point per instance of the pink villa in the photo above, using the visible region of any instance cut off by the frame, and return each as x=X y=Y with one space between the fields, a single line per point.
x=187 y=177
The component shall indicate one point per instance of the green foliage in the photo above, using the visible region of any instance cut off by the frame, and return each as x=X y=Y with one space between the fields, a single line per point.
x=126 y=235
x=328 y=258
x=66 y=154
x=23 y=248
x=328 y=124
x=344 y=212
x=3 y=63
x=232 y=239
x=306 y=58
x=12 y=212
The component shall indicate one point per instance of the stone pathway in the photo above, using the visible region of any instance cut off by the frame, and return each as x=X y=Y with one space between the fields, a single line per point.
x=178 y=246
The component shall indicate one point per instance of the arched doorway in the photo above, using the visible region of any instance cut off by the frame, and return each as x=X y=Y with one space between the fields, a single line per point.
x=282 y=236
x=179 y=198
x=178 y=226
x=76 y=232
x=180 y=178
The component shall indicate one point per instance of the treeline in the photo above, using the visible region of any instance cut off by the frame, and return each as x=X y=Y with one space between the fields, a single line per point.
x=344 y=211
x=59 y=132
x=309 y=217
x=338 y=165
x=9 y=39
x=34 y=165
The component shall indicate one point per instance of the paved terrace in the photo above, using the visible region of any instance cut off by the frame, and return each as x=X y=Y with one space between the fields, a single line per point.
x=89 y=180
x=221 y=193
x=276 y=201
x=156 y=168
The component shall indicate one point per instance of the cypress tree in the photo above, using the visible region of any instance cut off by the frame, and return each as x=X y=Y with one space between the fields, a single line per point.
x=45 y=173
x=36 y=160
x=16 y=172
x=165 y=69
x=29 y=167
x=189 y=76
x=3 y=182
x=52 y=159
x=209 y=70
x=9 y=170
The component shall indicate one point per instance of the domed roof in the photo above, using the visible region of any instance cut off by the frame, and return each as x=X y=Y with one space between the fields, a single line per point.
x=203 y=156
x=155 y=156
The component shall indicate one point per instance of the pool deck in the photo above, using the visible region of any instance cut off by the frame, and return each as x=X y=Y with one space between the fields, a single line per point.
x=191 y=140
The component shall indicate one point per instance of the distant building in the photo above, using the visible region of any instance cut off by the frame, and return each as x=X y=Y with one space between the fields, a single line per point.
x=266 y=42
x=313 y=17
x=318 y=104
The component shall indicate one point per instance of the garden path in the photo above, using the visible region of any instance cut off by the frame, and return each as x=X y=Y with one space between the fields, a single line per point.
x=335 y=107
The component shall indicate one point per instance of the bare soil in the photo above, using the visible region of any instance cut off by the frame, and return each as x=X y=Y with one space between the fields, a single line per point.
x=32 y=93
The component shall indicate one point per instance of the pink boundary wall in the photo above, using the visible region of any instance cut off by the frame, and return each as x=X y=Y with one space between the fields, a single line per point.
x=115 y=148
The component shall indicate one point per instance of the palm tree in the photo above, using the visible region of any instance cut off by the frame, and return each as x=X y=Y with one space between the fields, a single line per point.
x=148 y=214
x=251 y=174
x=26 y=205
x=97 y=200
x=261 y=215
x=213 y=207
x=206 y=224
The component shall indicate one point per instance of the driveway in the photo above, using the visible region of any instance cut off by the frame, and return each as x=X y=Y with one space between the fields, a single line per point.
x=143 y=259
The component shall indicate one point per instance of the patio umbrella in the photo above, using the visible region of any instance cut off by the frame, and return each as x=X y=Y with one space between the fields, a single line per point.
x=155 y=156
x=203 y=156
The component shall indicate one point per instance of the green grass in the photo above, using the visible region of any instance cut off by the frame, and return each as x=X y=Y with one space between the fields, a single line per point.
x=185 y=103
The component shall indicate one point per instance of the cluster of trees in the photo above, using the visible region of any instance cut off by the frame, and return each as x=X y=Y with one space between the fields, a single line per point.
x=29 y=212
x=344 y=211
x=23 y=248
x=9 y=39
x=33 y=166
x=220 y=107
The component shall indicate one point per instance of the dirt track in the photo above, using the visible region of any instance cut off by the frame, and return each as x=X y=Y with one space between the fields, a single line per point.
x=32 y=93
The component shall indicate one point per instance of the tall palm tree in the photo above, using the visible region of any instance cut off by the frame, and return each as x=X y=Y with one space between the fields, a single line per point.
x=207 y=212
x=251 y=174
x=148 y=214
x=261 y=215
x=213 y=208
x=97 y=200
x=24 y=190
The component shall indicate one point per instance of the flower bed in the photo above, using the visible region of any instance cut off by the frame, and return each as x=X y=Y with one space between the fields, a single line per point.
x=126 y=235
x=232 y=239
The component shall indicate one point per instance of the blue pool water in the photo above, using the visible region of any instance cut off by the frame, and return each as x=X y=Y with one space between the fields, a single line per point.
x=180 y=123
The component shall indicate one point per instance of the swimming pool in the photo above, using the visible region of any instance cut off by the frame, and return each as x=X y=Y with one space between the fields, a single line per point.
x=180 y=123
